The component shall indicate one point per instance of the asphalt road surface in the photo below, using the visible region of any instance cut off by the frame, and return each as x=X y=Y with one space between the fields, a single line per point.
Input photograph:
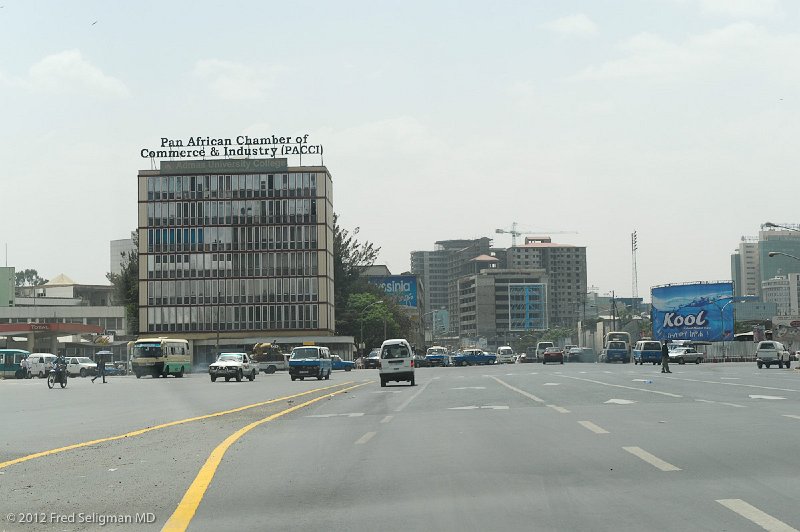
x=512 y=447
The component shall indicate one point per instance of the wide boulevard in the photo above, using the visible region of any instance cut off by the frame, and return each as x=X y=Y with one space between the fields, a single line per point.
x=513 y=447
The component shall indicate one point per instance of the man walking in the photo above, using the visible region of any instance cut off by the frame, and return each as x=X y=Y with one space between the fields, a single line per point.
x=101 y=368
x=665 y=358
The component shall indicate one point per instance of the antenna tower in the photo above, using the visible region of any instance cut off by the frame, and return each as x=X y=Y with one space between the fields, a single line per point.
x=634 y=271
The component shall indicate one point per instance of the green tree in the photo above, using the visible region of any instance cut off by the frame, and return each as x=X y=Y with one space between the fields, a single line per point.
x=28 y=277
x=126 y=285
x=350 y=257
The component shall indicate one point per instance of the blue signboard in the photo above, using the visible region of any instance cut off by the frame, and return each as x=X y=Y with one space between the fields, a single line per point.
x=696 y=311
x=401 y=287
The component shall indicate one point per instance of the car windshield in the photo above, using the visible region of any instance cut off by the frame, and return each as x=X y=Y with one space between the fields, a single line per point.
x=146 y=350
x=229 y=357
x=304 y=352
x=616 y=345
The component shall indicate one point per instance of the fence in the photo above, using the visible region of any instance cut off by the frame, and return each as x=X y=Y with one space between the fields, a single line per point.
x=729 y=352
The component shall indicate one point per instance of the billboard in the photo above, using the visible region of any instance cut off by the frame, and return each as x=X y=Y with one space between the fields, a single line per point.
x=401 y=287
x=694 y=311
x=786 y=330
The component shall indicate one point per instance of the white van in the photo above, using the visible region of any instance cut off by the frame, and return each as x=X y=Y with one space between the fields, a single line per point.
x=397 y=361
x=40 y=363
x=505 y=354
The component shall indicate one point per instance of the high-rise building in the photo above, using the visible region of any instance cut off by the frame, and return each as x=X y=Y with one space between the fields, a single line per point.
x=565 y=266
x=440 y=269
x=784 y=292
x=237 y=250
x=120 y=248
x=751 y=264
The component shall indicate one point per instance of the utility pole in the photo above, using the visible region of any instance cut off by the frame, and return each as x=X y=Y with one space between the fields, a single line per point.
x=613 y=312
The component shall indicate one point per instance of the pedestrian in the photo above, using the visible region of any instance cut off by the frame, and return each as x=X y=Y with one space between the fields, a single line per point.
x=665 y=358
x=101 y=368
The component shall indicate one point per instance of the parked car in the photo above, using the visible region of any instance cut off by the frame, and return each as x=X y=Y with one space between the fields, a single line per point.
x=373 y=360
x=769 y=352
x=82 y=366
x=681 y=355
x=338 y=363
x=553 y=354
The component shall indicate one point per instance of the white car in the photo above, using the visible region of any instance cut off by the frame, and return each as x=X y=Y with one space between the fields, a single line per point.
x=397 y=361
x=681 y=355
x=770 y=352
x=82 y=366
x=233 y=366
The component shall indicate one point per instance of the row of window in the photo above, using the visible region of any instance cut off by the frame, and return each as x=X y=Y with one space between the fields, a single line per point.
x=231 y=186
x=105 y=323
x=211 y=265
x=287 y=211
x=233 y=291
x=232 y=238
x=232 y=318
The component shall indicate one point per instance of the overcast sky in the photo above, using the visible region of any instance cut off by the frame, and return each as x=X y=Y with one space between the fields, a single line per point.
x=439 y=120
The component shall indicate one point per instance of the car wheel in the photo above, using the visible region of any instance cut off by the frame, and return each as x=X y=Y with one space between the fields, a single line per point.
x=383 y=383
x=270 y=369
x=412 y=381
x=681 y=361
x=252 y=376
x=227 y=379
x=759 y=365
x=698 y=360
x=562 y=361
x=213 y=378
x=41 y=374
x=301 y=378
x=138 y=375
x=347 y=369
x=239 y=376
x=180 y=373
x=294 y=378
x=83 y=372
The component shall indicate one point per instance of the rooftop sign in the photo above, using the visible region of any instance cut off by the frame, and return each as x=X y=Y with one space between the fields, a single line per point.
x=224 y=166
x=241 y=146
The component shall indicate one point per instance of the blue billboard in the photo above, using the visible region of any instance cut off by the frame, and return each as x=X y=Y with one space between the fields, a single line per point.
x=696 y=311
x=402 y=287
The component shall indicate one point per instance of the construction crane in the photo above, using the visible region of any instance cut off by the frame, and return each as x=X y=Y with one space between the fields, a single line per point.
x=515 y=231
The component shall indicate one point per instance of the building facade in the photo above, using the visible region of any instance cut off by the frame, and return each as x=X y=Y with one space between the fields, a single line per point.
x=751 y=264
x=565 y=266
x=119 y=249
x=499 y=305
x=784 y=292
x=235 y=249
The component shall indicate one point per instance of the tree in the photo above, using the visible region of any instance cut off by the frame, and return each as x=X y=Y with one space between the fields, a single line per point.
x=350 y=257
x=376 y=316
x=126 y=285
x=28 y=277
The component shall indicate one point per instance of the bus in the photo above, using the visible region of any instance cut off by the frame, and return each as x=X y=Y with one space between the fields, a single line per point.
x=270 y=358
x=161 y=357
x=10 y=360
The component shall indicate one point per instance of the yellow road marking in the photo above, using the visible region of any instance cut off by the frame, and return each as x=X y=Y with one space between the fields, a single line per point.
x=158 y=427
x=183 y=514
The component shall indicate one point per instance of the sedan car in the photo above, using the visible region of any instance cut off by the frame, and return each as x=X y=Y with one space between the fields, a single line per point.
x=553 y=354
x=338 y=363
x=82 y=366
x=681 y=355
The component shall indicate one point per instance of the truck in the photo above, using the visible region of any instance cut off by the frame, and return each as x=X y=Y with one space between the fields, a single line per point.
x=310 y=361
x=269 y=357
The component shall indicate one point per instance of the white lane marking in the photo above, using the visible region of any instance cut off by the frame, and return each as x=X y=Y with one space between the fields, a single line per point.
x=751 y=513
x=791 y=416
x=386 y=419
x=607 y=372
x=621 y=386
x=521 y=392
x=767 y=397
x=729 y=378
x=651 y=459
x=469 y=388
x=594 y=428
x=533 y=373
x=719 y=403
x=582 y=372
x=560 y=409
x=405 y=404
x=736 y=384
x=351 y=414
x=551 y=384
x=475 y=407
x=365 y=438
x=619 y=402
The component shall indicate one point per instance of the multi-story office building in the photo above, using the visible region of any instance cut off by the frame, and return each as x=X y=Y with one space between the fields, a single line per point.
x=439 y=271
x=500 y=305
x=566 y=271
x=119 y=249
x=751 y=264
x=784 y=292
x=238 y=249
